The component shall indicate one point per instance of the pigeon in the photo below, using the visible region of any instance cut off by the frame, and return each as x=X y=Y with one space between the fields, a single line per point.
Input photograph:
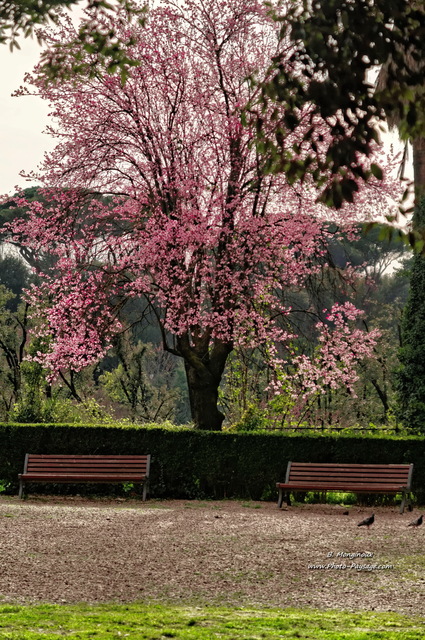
x=367 y=521
x=416 y=523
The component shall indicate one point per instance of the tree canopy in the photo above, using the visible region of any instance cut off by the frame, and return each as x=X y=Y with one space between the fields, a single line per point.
x=334 y=48
x=96 y=34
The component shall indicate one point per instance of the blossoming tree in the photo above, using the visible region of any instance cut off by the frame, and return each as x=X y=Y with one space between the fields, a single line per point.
x=194 y=223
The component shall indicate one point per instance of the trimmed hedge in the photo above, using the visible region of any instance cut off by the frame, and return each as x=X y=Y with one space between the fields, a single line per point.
x=198 y=464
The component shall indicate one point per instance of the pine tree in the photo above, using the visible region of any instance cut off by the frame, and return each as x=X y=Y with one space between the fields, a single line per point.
x=411 y=374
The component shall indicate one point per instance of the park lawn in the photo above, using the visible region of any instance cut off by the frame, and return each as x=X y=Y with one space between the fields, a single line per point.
x=155 y=622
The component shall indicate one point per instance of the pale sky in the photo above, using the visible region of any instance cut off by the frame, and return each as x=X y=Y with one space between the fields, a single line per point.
x=22 y=120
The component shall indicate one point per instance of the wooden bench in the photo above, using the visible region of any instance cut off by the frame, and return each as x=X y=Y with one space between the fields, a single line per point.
x=85 y=468
x=356 y=478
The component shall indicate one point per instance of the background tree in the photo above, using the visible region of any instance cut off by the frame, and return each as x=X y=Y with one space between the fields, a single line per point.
x=197 y=225
x=411 y=372
x=14 y=328
x=15 y=276
x=374 y=251
x=144 y=381
x=25 y=260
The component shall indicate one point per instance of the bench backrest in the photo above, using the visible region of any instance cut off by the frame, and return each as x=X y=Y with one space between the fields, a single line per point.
x=350 y=474
x=137 y=465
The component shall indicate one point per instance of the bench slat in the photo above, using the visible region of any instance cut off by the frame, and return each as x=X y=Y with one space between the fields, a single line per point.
x=94 y=458
x=86 y=461
x=348 y=465
x=361 y=480
x=82 y=470
x=349 y=474
x=71 y=477
x=344 y=487
x=85 y=465
x=354 y=470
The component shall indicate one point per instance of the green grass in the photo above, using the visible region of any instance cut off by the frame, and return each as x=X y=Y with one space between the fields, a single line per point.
x=250 y=505
x=343 y=498
x=157 y=622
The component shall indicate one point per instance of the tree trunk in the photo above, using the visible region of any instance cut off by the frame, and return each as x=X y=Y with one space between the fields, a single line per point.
x=204 y=365
x=419 y=168
x=203 y=397
x=383 y=396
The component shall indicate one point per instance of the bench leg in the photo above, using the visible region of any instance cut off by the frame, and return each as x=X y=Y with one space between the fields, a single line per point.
x=406 y=502
x=145 y=491
x=280 y=499
x=21 y=489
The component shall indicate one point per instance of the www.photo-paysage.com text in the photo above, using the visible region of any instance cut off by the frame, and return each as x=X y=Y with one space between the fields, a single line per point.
x=354 y=565
x=350 y=554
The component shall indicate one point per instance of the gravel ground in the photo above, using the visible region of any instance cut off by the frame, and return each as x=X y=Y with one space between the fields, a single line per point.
x=225 y=552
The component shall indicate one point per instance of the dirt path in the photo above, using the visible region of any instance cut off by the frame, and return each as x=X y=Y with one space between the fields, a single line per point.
x=70 y=550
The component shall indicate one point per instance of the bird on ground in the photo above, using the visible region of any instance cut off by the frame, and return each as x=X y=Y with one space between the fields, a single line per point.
x=416 y=523
x=367 y=521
